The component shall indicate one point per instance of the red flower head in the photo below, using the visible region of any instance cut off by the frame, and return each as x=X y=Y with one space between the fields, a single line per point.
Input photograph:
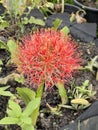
x=47 y=56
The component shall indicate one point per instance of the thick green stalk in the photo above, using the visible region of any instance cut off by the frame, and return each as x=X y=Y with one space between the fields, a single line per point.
x=62 y=92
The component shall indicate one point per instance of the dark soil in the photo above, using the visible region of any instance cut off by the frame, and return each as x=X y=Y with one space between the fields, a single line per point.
x=47 y=120
x=90 y=3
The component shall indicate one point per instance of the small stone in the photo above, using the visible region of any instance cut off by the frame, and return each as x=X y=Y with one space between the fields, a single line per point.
x=88 y=51
x=42 y=115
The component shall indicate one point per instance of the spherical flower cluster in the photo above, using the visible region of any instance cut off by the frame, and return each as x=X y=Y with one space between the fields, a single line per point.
x=47 y=56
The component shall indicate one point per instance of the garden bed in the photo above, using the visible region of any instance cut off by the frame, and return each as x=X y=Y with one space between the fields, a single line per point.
x=47 y=120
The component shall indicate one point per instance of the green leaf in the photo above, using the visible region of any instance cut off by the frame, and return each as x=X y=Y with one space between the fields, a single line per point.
x=26 y=120
x=4 y=88
x=31 y=107
x=36 y=21
x=19 y=78
x=57 y=23
x=9 y=120
x=15 y=108
x=26 y=94
x=80 y=101
x=11 y=113
x=3 y=45
x=49 y=5
x=25 y=20
x=31 y=20
x=12 y=47
x=39 y=92
x=34 y=115
x=65 y=30
x=5 y=93
x=27 y=127
x=3 y=25
x=85 y=83
x=36 y=2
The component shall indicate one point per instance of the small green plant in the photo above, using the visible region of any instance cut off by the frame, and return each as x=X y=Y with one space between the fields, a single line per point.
x=20 y=117
x=25 y=117
x=15 y=10
x=79 y=96
x=93 y=66
x=56 y=24
x=10 y=46
x=3 y=23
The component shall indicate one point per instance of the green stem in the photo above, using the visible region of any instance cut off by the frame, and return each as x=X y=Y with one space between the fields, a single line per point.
x=62 y=11
x=35 y=114
x=62 y=92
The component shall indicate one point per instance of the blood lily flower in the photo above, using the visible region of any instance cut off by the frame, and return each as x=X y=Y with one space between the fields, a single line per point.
x=47 y=56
